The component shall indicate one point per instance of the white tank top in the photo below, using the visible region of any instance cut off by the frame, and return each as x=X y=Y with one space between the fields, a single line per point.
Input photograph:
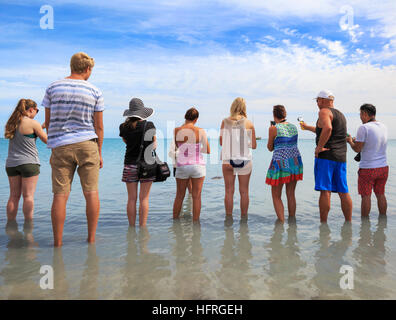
x=236 y=140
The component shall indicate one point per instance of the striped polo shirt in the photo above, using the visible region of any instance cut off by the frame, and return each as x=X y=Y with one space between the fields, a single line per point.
x=72 y=103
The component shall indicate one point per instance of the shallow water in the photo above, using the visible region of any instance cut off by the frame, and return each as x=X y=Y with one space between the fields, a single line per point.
x=218 y=259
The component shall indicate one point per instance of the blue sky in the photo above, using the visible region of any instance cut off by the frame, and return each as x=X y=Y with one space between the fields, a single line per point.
x=174 y=54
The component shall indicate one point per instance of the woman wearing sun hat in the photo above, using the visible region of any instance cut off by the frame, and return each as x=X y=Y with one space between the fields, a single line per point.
x=131 y=132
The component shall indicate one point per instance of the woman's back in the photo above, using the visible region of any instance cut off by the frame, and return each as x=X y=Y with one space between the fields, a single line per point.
x=236 y=139
x=190 y=140
x=22 y=147
x=132 y=135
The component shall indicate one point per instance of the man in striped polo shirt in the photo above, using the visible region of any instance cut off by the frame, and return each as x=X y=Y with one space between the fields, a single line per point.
x=74 y=121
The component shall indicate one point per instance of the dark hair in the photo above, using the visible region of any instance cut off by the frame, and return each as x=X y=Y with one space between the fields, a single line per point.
x=191 y=114
x=279 y=111
x=369 y=109
x=130 y=122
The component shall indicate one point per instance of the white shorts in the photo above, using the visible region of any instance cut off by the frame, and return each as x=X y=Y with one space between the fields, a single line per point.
x=190 y=171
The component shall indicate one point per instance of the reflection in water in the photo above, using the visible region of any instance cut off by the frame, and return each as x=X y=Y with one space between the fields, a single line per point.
x=329 y=260
x=285 y=262
x=191 y=279
x=370 y=261
x=143 y=270
x=61 y=286
x=235 y=275
x=89 y=281
x=21 y=269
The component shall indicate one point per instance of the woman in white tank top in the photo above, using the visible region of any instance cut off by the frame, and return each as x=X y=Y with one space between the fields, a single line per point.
x=237 y=138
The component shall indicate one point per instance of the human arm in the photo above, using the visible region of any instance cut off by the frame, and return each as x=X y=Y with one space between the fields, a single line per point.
x=355 y=145
x=252 y=134
x=358 y=142
x=205 y=142
x=325 y=118
x=38 y=130
x=304 y=126
x=99 y=130
x=221 y=133
x=272 y=132
x=47 y=118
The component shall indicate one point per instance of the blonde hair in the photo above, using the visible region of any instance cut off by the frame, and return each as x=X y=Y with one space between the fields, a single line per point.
x=238 y=107
x=19 y=112
x=80 y=61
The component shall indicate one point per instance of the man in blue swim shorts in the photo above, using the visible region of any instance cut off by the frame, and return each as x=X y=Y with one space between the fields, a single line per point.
x=330 y=156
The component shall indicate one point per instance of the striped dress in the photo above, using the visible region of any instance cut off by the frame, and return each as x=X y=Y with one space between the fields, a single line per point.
x=286 y=164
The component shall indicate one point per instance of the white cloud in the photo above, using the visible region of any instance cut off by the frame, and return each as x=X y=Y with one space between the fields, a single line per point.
x=335 y=48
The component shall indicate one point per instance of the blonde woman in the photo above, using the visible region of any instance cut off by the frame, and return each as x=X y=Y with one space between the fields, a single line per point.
x=237 y=138
x=23 y=164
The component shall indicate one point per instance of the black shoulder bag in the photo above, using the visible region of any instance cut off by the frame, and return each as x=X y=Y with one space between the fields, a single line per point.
x=163 y=171
x=145 y=170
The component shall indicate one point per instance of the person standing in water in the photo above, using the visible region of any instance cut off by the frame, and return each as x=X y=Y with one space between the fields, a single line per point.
x=23 y=164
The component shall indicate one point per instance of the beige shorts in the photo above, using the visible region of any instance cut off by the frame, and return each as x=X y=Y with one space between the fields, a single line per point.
x=65 y=159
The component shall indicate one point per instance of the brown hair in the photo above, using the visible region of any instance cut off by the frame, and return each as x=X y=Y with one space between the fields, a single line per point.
x=238 y=107
x=279 y=111
x=80 y=61
x=19 y=112
x=131 y=122
x=191 y=114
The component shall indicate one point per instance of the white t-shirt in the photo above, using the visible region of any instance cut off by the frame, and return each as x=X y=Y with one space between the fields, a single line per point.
x=374 y=135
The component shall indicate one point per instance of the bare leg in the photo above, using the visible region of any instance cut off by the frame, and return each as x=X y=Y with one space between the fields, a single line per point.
x=382 y=203
x=15 y=195
x=28 y=189
x=181 y=185
x=144 y=202
x=277 y=200
x=229 y=183
x=291 y=198
x=366 y=206
x=58 y=216
x=131 y=204
x=324 y=205
x=196 y=195
x=189 y=186
x=346 y=205
x=244 y=192
x=92 y=213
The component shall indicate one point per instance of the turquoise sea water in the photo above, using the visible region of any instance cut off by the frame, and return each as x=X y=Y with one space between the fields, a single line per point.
x=214 y=260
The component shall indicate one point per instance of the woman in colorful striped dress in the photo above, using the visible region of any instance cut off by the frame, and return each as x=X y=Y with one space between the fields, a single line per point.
x=286 y=165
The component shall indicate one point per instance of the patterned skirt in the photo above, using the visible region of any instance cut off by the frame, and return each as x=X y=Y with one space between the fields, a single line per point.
x=284 y=170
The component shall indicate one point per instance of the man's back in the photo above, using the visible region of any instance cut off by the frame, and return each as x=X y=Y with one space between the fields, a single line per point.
x=374 y=135
x=72 y=104
x=337 y=140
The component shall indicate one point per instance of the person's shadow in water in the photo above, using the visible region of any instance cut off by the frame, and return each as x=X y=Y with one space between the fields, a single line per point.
x=285 y=262
x=330 y=257
x=89 y=280
x=234 y=274
x=191 y=279
x=143 y=269
x=370 y=270
x=21 y=271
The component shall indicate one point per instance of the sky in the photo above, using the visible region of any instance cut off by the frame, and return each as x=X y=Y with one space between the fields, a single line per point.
x=176 y=54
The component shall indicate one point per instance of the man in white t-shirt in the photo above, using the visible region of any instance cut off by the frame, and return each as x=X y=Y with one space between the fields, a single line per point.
x=371 y=141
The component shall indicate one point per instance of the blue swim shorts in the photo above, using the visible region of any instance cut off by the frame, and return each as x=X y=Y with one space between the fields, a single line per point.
x=330 y=176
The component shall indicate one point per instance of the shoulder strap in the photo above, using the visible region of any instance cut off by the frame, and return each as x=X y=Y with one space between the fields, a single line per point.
x=142 y=141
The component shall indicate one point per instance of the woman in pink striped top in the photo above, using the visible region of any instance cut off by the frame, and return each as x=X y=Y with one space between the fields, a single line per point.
x=191 y=142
